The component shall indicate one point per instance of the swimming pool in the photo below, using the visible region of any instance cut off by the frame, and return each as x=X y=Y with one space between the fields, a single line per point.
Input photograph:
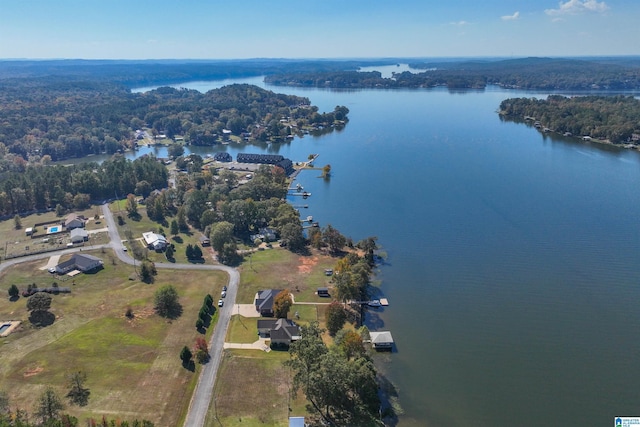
x=54 y=229
x=4 y=327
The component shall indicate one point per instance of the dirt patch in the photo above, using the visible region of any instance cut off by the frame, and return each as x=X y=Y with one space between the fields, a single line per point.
x=32 y=372
x=307 y=264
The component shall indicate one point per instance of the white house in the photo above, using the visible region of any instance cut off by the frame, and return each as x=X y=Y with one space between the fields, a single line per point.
x=79 y=235
x=155 y=241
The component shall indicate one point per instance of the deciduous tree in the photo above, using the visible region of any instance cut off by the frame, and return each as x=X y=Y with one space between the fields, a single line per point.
x=336 y=317
x=49 y=405
x=282 y=304
x=78 y=394
x=166 y=302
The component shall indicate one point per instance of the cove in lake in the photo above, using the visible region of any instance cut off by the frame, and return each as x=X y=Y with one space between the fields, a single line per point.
x=512 y=269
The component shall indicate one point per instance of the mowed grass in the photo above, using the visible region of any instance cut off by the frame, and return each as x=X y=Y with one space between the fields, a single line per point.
x=242 y=329
x=253 y=389
x=280 y=269
x=132 y=365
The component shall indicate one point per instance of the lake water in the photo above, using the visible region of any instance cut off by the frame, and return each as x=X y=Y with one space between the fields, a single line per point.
x=512 y=269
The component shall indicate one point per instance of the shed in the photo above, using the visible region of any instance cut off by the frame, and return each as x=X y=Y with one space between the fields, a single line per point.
x=28 y=231
x=381 y=340
x=323 y=292
x=296 y=422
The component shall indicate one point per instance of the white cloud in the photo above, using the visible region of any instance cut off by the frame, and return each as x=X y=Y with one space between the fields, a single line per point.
x=460 y=23
x=511 y=17
x=573 y=7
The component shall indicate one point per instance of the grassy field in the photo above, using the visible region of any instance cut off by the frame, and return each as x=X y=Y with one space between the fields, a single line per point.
x=279 y=269
x=253 y=389
x=132 y=365
x=144 y=224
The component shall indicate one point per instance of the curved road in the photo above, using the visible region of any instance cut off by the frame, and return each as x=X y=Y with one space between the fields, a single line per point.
x=204 y=389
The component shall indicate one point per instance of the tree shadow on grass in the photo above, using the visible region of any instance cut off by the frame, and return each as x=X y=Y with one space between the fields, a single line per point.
x=174 y=311
x=189 y=366
x=41 y=318
x=14 y=298
x=177 y=239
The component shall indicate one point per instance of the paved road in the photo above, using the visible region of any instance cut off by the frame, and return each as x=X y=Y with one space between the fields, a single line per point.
x=203 y=392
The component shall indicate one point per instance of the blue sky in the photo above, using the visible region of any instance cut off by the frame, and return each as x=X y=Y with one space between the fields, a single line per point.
x=212 y=29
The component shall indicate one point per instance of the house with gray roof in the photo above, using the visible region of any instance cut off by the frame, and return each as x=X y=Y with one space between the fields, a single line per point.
x=264 y=301
x=73 y=221
x=281 y=331
x=81 y=262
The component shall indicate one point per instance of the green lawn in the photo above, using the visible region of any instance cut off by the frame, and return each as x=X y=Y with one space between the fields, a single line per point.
x=253 y=389
x=242 y=330
x=132 y=365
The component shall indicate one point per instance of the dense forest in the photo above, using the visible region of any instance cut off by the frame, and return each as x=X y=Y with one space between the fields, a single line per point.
x=57 y=120
x=26 y=187
x=528 y=73
x=611 y=118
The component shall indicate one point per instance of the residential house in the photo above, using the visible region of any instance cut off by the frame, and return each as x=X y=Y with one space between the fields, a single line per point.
x=281 y=331
x=155 y=241
x=204 y=241
x=82 y=262
x=73 y=221
x=79 y=235
x=264 y=301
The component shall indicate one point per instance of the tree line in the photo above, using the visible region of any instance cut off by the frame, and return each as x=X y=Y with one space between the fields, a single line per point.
x=612 y=118
x=26 y=187
x=527 y=73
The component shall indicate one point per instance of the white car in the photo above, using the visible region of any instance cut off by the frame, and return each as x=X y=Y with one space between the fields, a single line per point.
x=220 y=303
x=223 y=294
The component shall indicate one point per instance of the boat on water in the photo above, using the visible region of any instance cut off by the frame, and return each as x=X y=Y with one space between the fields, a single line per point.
x=374 y=303
x=309 y=218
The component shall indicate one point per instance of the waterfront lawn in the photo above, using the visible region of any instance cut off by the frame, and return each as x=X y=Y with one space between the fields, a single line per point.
x=278 y=268
x=253 y=389
x=132 y=365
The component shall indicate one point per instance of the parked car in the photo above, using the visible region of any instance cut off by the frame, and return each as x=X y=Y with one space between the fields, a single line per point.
x=224 y=288
x=220 y=303
x=223 y=294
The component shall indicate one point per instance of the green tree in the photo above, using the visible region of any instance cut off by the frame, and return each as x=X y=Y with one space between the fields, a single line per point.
x=17 y=222
x=221 y=233
x=336 y=317
x=39 y=302
x=49 y=405
x=174 y=227
x=147 y=271
x=78 y=394
x=292 y=237
x=197 y=252
x=131 y=206
x=189 y=251
x=166 y=302
x=333 y=239
x=282 y=304
x=13 y=291
x=169 y=252
x=186 y=355
x=181 y=218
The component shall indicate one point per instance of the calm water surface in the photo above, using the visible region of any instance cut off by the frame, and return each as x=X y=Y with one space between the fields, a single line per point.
x=512 y=267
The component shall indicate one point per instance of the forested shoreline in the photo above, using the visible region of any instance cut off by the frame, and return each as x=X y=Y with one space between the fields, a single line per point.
x=58 y=120
x=527 y=73
x=607 y=118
